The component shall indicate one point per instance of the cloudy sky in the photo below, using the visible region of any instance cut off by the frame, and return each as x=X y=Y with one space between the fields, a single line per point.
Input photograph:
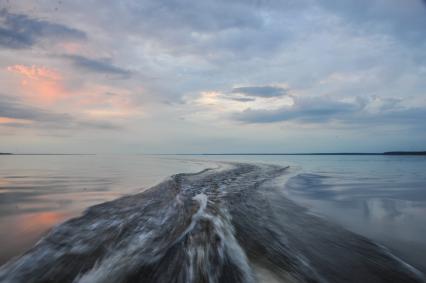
x=178 y=76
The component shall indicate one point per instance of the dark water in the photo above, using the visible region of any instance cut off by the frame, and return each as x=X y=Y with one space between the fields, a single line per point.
x=237 y=224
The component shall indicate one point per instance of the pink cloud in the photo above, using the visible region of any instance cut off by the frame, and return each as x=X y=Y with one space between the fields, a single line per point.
x=6 y=120
x=40 y=84
x=35 y=73
x=46 y=87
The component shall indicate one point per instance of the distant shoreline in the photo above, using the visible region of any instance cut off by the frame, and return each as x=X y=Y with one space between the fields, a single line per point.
x=314 y=153
x=1 y=153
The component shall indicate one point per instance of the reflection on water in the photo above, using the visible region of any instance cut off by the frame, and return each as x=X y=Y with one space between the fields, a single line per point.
x=389 y=208
x=212 y=226
x=18 y=232
x=37 y=192
x=381 y=197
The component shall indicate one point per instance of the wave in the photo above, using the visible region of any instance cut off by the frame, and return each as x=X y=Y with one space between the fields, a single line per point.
x=219 y=225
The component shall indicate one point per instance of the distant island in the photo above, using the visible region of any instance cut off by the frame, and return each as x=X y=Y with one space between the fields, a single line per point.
x=5 y=153
x=405 y=153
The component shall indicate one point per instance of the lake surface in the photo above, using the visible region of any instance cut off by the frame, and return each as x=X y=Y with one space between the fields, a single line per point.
x=39 y=191
x=380 y=197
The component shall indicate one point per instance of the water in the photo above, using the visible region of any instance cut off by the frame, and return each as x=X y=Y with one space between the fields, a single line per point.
x=39 y=191
x=383 y=198
x=380 y=197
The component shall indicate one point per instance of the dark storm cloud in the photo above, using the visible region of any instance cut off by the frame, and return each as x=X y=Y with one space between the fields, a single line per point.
x=97 y=65
x=260 y=91
x=13 y=108
x=19 y=31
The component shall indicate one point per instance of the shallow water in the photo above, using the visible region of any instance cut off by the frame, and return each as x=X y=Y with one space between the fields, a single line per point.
x=380 y=197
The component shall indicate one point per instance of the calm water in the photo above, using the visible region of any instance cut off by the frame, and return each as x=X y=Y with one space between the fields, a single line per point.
x=381 y=197
x=39 y=191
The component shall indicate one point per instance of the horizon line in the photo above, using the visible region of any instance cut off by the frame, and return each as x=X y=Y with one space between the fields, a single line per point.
x=242 y=153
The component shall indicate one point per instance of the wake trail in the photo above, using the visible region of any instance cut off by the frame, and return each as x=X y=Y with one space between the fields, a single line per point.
x=219 y=225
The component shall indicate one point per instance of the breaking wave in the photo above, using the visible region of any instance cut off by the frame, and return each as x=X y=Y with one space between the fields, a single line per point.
x=229 y=224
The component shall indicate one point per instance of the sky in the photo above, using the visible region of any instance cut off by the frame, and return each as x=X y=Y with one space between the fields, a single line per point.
x=212 y=76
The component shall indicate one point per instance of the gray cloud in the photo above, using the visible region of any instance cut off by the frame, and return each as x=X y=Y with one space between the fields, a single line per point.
x=325 y=109
x=400 y=19
x=246 y=28
x=97 y=66
x=13 y=108
x=260 y=91
x=19 y=31
x=403 y=116
x=241 y=99
x=312 y=110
